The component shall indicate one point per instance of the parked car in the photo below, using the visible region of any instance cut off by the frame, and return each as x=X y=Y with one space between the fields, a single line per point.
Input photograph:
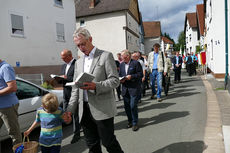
x=29 y=95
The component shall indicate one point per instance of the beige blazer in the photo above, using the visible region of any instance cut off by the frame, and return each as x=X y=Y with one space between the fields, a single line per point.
x=159 y=62
x=101 y=101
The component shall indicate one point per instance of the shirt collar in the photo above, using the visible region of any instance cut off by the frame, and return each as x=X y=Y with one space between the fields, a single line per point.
x=128 y=62
x=70 y=62
x=91 y=54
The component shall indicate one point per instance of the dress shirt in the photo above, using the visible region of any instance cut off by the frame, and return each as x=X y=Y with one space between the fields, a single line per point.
x=127 y=67
x=155 y=60
x=177 y=59
x=87 y=64
x=68 y=66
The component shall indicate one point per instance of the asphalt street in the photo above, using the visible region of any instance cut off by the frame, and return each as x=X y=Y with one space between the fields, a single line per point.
x=175 y=125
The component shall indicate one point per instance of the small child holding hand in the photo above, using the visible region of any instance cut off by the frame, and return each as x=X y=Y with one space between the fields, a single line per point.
x=50 y=117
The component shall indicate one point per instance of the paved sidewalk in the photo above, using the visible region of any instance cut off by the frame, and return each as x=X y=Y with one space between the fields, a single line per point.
x=219 y=105
x=213 y=137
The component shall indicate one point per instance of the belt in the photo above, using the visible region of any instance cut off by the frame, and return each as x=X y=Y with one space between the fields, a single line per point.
x=155 y=69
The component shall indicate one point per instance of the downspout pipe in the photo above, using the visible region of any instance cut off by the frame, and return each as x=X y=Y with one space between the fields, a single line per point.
x=226 y=43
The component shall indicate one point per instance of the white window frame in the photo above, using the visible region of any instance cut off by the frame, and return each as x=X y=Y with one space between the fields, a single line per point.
x=57 y=4
x=60 y=34
x=11 y=26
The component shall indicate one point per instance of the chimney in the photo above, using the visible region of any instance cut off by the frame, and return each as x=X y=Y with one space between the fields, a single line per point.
x=93 y=3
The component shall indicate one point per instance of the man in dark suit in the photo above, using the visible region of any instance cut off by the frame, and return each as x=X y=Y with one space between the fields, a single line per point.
x=67 y=72
x=96 y=101
x=177 y=62
x=132 y=72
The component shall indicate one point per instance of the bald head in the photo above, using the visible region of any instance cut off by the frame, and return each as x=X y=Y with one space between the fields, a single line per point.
x=66 y=55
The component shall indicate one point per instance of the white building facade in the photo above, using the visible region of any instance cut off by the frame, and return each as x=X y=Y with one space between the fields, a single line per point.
x=191 y=38
x=33 y=33
x=113 y=28
x=104 y=37
x=215 y=37
x=112 y=32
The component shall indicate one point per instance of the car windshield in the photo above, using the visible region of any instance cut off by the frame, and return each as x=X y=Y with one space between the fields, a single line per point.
x=26 y=90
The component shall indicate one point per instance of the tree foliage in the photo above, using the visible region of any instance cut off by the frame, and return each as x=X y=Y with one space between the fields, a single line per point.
x=181 y=42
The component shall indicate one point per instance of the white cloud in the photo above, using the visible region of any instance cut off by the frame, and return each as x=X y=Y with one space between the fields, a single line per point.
x=171 y=13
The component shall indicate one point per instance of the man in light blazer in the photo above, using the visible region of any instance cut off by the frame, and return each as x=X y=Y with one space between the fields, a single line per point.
x=96 y=100
x=158 y=67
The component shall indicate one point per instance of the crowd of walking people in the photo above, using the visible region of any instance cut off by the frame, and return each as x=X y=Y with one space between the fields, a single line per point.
x=92 y=107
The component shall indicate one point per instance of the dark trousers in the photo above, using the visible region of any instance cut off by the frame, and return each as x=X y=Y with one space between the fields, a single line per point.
x=97 y=131
x=194 y=67
x=190 y=69
x=53 y=149
x=76 y=125
x=118 y=89
x=131 y=109
x=166 y=83
x=143 y=88
x=177 y=76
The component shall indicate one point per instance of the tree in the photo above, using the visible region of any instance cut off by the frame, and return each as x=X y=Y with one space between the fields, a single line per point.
x=181 y=42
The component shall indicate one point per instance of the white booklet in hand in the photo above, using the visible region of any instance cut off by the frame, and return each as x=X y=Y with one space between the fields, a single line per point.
x=56 y=76
x=83 y=77
x=122 y=78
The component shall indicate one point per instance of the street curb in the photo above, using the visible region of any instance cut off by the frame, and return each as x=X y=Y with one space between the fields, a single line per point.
x=213 y=136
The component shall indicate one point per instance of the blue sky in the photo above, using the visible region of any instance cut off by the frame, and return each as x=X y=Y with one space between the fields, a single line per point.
x=171 y=13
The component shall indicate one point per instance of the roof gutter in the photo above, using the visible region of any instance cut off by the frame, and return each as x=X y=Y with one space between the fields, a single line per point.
x=226 y=43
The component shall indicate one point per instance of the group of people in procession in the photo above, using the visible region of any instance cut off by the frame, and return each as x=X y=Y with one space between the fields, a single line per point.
x=92 y=107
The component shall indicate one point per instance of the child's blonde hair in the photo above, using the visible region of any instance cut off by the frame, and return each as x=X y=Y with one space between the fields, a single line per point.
x=50 y=102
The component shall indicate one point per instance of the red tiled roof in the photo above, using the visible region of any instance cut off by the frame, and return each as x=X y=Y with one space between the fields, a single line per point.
x=166 y=40
x=200 y=17
x=152 y=29
x=191 y=17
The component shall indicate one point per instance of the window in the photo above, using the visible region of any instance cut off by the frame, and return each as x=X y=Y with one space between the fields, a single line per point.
x=82 y=23
x=60 y=32
x=17 y=25
x=129 y=24
x=210 y=10
x=26 y=90
x=58 y=3
x=211 y=49
x=129 y=39
x=190 y=38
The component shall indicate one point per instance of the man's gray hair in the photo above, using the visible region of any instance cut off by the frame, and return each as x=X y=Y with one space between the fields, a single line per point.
x=126 y=52
x=82 y=31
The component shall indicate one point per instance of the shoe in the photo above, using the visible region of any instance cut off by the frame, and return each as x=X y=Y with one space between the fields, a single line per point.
x=152 y=97
x=159 y=99
x=129 y=125
x=75 y=139
x=135 y=128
